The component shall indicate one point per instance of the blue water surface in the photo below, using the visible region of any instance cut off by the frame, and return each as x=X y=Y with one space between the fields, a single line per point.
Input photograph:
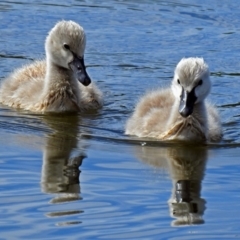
x=79 y=176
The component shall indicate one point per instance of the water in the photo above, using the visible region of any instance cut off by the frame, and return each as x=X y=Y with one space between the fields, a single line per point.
x=80 y=177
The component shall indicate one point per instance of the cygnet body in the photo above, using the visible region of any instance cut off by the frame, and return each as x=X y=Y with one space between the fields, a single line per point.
x=58 y=84
x=181 y=111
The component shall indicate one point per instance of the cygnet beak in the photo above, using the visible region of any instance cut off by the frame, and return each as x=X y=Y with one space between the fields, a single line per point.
x=79 y=70
x=187 y=101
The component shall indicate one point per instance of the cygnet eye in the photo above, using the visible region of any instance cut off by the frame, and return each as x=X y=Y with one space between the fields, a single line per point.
x=178 y=81
x=66 y=46
x=200 y=82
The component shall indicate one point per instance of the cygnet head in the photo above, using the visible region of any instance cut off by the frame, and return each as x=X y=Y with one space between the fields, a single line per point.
x=65 y=45
x=191 y=83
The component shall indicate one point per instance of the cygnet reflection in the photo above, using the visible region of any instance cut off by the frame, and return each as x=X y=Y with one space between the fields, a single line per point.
x=62 y=157
x=186 y=165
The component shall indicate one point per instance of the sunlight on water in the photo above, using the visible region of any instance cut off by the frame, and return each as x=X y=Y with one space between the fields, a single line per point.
x=80 y=177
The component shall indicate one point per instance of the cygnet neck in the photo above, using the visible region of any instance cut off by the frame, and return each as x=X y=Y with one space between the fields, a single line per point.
x=56 y=74
x=199 y=114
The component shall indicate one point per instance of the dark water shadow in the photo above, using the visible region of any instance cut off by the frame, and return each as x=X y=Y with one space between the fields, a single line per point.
x=131 y=140
x=186 y=166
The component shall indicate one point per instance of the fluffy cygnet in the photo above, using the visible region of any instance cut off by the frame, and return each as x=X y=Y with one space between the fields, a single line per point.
x=181 y=111
x=58 y=84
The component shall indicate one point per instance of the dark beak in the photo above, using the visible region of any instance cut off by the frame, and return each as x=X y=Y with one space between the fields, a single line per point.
x=187 y=101
x=79 y=70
